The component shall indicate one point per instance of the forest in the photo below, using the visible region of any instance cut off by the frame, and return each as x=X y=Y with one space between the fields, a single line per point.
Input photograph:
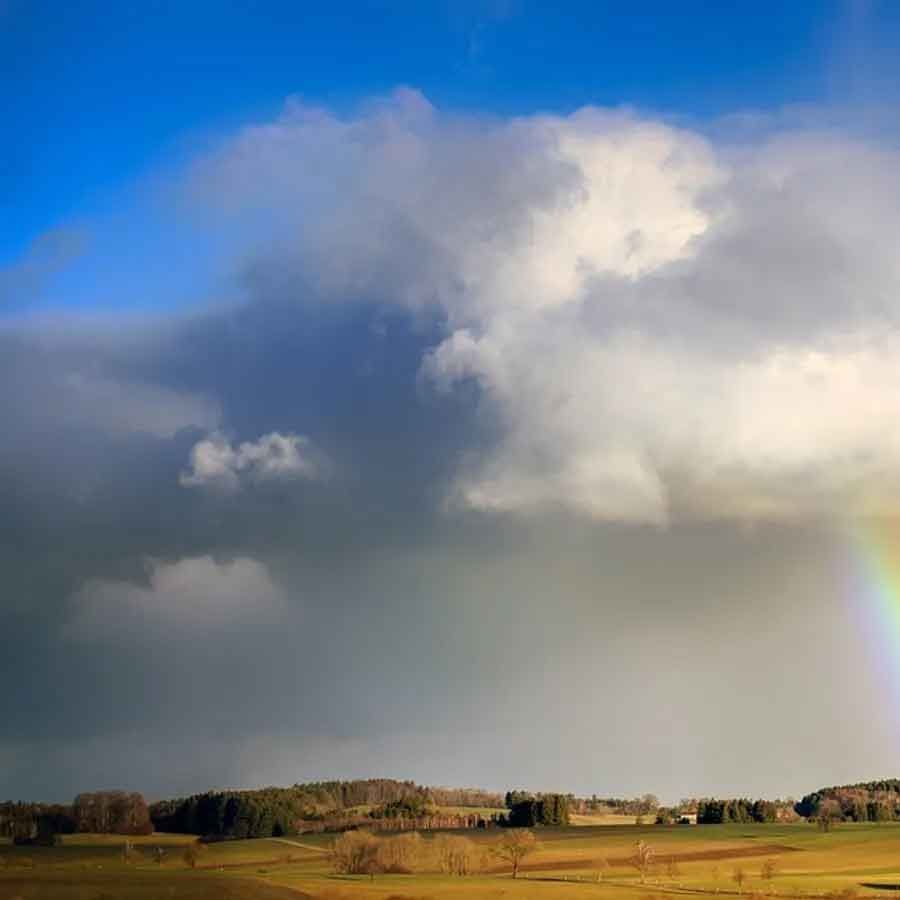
x=322 y=806
x=383 y=804
x=869 y=801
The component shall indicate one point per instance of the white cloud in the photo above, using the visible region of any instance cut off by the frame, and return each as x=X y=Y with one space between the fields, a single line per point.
x=191 y=593
x=216 y=463
x=661 y=325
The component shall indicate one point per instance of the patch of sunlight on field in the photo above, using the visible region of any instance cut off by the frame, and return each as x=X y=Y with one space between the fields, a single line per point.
x=602 y=819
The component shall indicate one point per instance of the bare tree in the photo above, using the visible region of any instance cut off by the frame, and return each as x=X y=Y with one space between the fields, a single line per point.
x=456 y=855
x=514 y=846
x=401 y=854
x=768 y=870
x=642 y=859
x=191 y=855
x=372 y=867
x=672 y=870
x=738 y=876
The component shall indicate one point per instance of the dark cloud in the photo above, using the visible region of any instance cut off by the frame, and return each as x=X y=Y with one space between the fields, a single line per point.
x=463 y=371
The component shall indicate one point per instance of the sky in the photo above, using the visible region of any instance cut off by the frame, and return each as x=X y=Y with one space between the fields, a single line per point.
x=492 y=394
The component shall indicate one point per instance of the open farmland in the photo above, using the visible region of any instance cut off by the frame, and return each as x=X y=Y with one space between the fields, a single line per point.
x=731 y=860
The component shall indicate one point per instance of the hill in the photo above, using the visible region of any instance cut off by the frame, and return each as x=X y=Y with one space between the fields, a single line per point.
x=867 y=801
x=317 y=806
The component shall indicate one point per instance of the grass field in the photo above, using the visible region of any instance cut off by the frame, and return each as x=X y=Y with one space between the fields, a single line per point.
x=580 y=862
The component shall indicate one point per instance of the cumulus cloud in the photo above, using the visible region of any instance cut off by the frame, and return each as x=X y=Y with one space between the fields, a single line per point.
x=659 y=324
x=215 y=462
x=190 y=593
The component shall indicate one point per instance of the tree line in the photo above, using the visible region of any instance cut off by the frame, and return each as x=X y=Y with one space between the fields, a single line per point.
x=389 y=804
x=103 y=812
x=327 y=796
x=869 y=801
x=645 y=805
x=35 y=823
x=711 y=811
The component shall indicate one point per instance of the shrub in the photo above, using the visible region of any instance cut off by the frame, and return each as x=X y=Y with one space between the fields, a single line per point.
x=356 y=853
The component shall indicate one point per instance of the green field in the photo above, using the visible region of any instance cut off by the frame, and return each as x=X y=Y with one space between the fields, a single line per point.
x=577 y=862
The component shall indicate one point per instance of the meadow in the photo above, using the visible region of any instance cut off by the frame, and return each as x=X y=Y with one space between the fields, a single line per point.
x=731 y=860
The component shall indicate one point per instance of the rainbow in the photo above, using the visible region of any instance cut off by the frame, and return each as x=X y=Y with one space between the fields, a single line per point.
x=877 y=580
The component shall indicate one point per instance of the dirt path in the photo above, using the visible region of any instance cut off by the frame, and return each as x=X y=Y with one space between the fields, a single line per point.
x=298 y=844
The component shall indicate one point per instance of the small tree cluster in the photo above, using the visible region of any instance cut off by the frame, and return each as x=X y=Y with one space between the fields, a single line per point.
x=364 y=853
x=527 y=810
x=112 y=812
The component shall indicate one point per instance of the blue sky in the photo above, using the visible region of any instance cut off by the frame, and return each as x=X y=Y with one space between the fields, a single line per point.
x=98 y=94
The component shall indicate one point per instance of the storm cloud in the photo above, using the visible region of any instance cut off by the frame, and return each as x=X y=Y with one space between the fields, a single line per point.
x=548 y=412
